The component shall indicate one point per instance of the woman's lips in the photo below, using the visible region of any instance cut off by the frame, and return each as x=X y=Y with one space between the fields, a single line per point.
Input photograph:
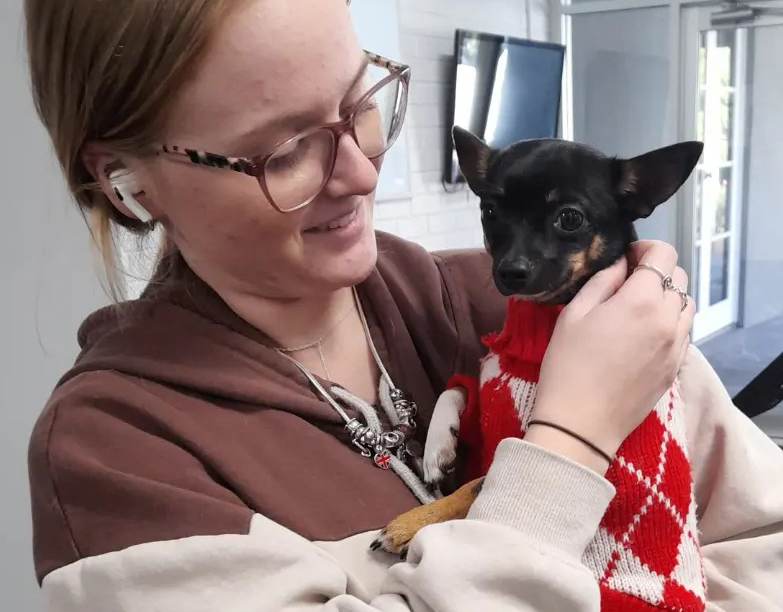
x=336 y=223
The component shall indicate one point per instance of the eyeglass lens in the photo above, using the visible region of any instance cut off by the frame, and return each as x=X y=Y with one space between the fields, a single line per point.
x=297 y=172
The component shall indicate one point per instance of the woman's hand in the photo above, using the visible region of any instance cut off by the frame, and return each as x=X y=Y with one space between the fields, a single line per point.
x=615 y=351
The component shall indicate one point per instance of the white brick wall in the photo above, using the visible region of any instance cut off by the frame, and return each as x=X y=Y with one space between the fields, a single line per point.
x=434 y=218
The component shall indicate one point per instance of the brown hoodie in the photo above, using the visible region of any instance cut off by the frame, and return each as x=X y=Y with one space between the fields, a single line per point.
x=178 y=419
x=183 y=464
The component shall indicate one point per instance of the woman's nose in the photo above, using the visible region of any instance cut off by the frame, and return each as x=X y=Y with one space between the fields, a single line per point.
x=353 y=173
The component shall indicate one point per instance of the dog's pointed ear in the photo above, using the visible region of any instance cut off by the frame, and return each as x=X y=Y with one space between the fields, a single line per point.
x=473 y=155
x=644 y=182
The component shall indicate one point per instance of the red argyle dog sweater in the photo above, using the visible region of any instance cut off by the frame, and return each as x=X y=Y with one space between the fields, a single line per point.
x=645 y=554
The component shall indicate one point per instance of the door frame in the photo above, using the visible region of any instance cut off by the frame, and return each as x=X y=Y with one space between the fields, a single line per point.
x=696 y=19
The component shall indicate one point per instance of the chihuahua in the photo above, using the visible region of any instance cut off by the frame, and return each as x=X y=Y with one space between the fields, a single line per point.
x=554 y=213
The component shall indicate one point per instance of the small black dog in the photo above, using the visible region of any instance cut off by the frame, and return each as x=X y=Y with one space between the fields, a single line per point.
x=554 y=214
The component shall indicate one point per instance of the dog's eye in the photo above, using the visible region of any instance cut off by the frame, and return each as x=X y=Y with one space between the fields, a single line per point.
x=570 y=220
x=488 y=211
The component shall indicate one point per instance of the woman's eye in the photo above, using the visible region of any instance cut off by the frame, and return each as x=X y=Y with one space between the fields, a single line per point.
x=288 y=156
x=488 y=211
x=570 y=220
x=368 y=106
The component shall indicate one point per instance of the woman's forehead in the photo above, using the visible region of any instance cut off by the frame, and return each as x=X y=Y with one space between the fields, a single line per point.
x=270 y=61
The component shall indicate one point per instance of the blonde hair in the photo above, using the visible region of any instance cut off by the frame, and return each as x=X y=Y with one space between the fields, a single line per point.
x=110 y=71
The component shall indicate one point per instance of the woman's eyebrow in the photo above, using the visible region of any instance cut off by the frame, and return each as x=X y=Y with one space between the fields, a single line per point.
x=294 y=119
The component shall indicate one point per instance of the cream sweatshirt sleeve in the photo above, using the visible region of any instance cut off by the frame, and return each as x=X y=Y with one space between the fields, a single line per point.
x=519 y=550
x=738 y=475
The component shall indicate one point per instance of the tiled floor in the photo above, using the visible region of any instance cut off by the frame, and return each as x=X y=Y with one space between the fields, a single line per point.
x=740 y=354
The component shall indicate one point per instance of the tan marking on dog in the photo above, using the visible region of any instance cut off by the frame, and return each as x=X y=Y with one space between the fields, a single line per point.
x=578 y=262
x=553 y=196
x=399 y=532
x=596 y=248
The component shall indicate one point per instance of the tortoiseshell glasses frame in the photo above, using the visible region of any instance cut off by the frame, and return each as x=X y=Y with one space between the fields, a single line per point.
x=295 y=171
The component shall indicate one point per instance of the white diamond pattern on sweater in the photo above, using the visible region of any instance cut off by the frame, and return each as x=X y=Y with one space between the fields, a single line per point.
x=654 y=556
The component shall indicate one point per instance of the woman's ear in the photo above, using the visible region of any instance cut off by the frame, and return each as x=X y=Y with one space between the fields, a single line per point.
x=120 y=185
x=644 y=182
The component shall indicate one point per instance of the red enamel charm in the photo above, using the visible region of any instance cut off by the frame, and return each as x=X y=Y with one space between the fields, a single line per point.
x=382 y=459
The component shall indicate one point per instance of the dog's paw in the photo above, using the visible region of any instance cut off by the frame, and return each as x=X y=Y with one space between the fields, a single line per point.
x=440 y=457
x=393 y=542
x=396 y=536
x=440 y=451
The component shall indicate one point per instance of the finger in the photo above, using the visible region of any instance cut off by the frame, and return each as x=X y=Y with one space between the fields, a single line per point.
x=685 y=322
x=599 y=288
x=673 y=299
x=661 y=256
x=642 y=250
x=680 y=278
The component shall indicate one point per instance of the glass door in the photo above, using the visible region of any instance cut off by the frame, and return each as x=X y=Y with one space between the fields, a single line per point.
x=728 y=80
x=715 y=90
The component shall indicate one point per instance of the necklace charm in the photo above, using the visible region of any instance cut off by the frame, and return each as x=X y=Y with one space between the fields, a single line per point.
x=405 y=408
x=382 y=459
x=362 y=436
x=389 y=449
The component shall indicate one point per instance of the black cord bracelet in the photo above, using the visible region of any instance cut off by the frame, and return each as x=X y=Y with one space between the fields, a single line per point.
x=576 y=436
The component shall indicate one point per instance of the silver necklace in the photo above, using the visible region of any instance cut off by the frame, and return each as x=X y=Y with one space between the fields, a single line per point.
x=319 y=344
x=392 y=448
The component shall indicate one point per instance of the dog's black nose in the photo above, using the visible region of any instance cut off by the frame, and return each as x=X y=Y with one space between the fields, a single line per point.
x=514 y=274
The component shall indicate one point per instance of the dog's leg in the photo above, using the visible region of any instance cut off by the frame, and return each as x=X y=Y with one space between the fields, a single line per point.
x=397 y=535
x=440 y=450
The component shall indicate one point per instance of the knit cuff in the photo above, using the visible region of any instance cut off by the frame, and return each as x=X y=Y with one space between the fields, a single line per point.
x=550 y=499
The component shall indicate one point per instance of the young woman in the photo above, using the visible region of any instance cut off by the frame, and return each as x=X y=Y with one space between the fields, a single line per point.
x=197 y=457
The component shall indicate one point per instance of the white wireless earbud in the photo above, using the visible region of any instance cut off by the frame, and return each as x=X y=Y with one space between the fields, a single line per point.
x=125 y=185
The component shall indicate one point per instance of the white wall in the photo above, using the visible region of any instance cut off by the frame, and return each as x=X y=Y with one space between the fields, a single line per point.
x=431 y=216
x=49 y=285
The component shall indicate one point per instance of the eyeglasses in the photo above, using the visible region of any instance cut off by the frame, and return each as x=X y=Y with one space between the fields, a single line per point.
x=298 y=169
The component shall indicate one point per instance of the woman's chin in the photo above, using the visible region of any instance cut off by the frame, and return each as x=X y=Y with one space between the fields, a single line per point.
x=345 y=256
x=351 y=267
